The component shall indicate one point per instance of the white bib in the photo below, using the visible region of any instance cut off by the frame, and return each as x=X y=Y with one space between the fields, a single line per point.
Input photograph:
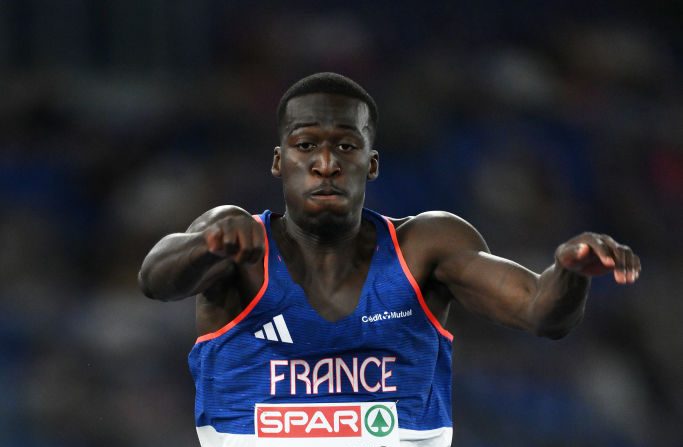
x=366 y=424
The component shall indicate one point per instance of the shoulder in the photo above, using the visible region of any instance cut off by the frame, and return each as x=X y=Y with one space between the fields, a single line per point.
x=438 y=230
x=214 y=215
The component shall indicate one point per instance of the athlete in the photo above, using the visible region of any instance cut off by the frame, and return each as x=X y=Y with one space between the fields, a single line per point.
x=324 y=325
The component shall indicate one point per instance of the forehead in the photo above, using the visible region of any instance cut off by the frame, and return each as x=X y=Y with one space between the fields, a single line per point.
x=327 y=109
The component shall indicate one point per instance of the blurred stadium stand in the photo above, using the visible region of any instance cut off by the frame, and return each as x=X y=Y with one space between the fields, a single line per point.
x=122 y=121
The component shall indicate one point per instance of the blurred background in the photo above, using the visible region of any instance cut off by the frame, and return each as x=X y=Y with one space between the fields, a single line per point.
x=122 y=121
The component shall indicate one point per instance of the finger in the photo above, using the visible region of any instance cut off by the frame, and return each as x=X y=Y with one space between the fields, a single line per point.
x=619 y=252
x=257 y=242
x=619 y=255
x=628 y=265
x=231 y=241
x=582 y=250
x=254 y=231
x=602 y=251
x=634 y=266
x=214 y=241
x=243 y=236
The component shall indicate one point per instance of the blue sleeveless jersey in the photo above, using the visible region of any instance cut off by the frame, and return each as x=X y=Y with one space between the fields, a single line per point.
x=279 y=350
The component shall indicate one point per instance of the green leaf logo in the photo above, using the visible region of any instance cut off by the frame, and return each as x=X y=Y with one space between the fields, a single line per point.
x=379 y=420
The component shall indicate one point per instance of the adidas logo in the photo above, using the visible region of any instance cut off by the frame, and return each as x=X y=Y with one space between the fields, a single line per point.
x=272 y=332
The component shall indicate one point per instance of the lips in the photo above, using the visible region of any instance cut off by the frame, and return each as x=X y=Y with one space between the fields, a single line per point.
x=326 y=191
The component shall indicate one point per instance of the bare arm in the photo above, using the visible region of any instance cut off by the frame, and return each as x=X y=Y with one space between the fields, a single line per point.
x=185 y=264
x=549 y=304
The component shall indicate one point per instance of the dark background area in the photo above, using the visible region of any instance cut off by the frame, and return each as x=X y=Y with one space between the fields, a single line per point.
x=122 y=121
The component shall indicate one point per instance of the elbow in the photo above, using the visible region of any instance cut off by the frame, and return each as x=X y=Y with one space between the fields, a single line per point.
x=553 y=334
x=143 y=284
x=558 y=331
x=153 y=288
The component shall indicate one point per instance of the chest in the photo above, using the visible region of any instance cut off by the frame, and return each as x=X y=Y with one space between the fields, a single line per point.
x=334 y=298
x=371 y=284
x=332 y=282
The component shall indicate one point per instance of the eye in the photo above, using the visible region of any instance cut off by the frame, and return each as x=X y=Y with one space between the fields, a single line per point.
x=346 y=147
x=305 y=146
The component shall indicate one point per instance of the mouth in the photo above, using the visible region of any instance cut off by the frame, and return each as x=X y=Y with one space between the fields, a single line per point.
x=326 y=192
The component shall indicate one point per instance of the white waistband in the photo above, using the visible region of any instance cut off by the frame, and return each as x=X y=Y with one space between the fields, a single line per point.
x=438 y=437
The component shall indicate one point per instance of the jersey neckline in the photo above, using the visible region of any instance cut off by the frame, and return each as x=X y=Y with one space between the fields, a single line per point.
x=276 y=256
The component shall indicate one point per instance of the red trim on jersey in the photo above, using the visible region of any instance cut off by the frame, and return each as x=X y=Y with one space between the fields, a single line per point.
x=253 y=302
x=414 y=283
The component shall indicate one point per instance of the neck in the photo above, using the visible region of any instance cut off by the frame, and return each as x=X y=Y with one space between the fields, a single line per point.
x=318 y=257
x=323 y=235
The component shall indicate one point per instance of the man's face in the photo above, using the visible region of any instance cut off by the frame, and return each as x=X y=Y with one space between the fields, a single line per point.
x=325 y=157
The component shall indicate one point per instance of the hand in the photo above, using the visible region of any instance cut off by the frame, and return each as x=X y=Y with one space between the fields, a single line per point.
x=240 y=238
x=591 y=254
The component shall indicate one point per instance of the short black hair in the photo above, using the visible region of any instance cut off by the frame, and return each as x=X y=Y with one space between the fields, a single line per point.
x=327 y=82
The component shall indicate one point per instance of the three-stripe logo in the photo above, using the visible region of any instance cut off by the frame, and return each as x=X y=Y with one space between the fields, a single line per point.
x=271 y=332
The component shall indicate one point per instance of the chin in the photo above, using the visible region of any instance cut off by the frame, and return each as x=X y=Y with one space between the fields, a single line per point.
x=328 y=211
x=329 y=216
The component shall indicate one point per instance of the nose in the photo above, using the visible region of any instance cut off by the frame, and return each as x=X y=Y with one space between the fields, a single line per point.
x=325 y=163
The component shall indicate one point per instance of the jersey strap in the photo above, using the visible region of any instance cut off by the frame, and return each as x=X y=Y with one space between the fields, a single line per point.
x=414 y=284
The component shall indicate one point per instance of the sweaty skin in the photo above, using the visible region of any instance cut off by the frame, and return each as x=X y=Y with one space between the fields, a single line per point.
x=324 y=160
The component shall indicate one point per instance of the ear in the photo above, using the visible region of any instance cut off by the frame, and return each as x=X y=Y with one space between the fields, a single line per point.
x=373 y=169
x=275 y=169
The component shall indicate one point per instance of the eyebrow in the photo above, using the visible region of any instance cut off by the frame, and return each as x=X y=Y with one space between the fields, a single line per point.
x=315 y=123
x=300 y=125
